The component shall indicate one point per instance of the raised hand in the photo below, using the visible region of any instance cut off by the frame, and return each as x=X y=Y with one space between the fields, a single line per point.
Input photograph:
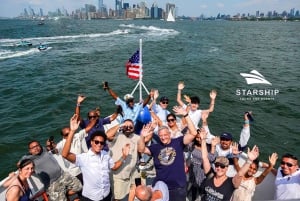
x=105 y=85
x=254 y=153
x=213 y=94
x=156 y=94
x=146 y=130
x=80 y=98
x=215 y=141
x=273 y=158
x=151 y=93
x=204 y=115
x=74 y=123
x=203 y=133
x=235 y=148
x=180 y=85
x=187 y=99
x=179 y=110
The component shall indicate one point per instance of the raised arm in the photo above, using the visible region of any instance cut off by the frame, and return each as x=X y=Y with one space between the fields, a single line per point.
x=180 y=88
x=149 y=97
x=114 y=115
x=212 y=95
x=236 y=152
x=80 y=99
x=206 y=163
x=154 y=98
x=252 y=155
x=111 y=133
x=272 y=161
x=74 y=124
x=156 y=118
x=245 y=133
x=125 y=152
x=145 y=136
x=190 y=136
x=110 y=91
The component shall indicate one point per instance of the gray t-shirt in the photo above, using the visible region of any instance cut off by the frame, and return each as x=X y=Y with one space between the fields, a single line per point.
x=46 y=167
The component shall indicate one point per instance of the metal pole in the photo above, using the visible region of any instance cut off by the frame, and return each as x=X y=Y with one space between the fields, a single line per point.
x=141 y=69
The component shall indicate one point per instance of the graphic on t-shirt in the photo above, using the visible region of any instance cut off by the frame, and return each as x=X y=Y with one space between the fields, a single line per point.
x=167 y=156
x=213 y=195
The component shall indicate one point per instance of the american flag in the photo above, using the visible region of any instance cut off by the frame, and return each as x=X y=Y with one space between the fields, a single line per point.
x=133 y=66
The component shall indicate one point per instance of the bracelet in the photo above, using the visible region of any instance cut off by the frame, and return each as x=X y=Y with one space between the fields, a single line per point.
x=187 y=114
x=78 y=105
x=246 y=121
x=249 y=161
x=122 y=160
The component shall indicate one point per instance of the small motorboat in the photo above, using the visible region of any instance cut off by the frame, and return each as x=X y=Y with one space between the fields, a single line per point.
x=24 y=43
x=42 y=47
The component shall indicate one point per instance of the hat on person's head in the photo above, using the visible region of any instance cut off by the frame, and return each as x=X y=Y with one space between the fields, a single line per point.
x=164 y=98
x=223 y=160
x=226 y=136
x=128 y=97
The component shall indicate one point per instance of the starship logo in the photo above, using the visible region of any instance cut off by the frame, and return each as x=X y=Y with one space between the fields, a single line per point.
x=254 y=77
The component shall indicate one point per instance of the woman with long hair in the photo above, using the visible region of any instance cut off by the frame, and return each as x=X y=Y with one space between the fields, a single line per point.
x=19 y=190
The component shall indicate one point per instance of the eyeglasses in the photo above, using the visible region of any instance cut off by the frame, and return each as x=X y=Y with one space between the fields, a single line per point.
x=97 y=142
x=169 y=120
x=165 y=102
x=128 y=127
x=90 y=117
x=220 y=165
x=287 y=164
x=35 y=146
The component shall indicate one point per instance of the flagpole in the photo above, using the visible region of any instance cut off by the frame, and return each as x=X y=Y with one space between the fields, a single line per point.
x=140 y=83
x=141 y=70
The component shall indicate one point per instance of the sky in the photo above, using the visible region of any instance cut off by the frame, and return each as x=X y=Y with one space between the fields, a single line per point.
x=193 y=8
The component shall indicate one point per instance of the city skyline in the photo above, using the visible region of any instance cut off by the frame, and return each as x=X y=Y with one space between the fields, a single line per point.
x=13 y=8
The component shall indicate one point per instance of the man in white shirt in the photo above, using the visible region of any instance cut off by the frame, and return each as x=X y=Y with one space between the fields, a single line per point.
x=95 y=165
x=287 y=180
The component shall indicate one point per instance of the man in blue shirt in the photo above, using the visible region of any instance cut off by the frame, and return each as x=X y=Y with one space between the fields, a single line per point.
x=130 y=109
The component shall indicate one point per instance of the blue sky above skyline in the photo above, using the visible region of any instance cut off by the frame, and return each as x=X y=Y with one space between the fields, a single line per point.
x=194 y=8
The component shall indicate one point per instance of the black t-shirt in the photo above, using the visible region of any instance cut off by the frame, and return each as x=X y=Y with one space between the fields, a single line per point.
x=221 y=193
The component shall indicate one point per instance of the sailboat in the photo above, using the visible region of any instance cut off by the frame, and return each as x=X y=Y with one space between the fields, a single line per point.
x=170 y=17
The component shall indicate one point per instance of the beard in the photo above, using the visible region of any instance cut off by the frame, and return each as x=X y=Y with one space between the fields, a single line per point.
x=127 y=132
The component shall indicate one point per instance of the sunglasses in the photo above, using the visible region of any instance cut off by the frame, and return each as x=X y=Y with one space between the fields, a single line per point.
x=287 y=164
x=90 y=117
x=98 y=142
x=220 y=165
x=165 y=102
x=169 y=120
x=128 y=127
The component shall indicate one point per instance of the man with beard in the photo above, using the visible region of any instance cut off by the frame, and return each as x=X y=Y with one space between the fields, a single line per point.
x=124 y=177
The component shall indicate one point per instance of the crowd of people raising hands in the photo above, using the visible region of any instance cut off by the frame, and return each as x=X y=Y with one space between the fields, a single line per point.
x=93 y=163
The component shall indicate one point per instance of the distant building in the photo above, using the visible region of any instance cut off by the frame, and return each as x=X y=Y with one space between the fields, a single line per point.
x=41 y=12
x=170 y=7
